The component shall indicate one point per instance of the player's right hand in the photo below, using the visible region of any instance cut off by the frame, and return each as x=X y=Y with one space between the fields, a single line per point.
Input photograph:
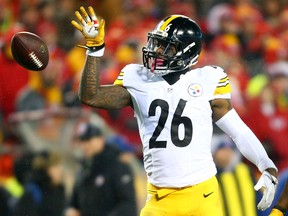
x=92 y=30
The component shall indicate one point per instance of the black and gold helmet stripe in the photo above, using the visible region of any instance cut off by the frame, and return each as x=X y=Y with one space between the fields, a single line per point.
x=167 y=22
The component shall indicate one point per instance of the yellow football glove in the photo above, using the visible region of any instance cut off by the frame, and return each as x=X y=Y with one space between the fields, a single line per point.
x=92 y=30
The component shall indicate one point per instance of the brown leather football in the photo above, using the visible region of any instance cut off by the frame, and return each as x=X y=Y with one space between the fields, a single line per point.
x=30 y=51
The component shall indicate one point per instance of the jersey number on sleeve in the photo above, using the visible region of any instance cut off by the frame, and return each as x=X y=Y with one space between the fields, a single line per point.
x=177 y=120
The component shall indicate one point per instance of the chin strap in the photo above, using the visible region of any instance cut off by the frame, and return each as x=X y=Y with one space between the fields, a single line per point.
x=194 y=60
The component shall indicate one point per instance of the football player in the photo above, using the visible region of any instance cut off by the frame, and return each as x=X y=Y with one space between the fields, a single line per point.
x=174 y=106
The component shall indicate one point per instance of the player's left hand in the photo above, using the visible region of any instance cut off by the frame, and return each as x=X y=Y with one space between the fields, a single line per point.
x=268 y=182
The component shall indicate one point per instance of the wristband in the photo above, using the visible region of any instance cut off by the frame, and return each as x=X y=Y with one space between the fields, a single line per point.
x=95 y=48
x=98 y=53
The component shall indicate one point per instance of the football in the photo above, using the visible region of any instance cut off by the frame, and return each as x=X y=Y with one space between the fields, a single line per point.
x=30 y=51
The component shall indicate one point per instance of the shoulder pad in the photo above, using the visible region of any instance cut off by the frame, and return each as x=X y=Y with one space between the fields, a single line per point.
x=215 y=67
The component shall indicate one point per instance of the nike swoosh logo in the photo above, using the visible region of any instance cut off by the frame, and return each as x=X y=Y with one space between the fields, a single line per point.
x=206 y=195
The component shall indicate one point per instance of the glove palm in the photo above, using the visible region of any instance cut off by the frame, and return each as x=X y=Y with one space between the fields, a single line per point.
x=92 y=30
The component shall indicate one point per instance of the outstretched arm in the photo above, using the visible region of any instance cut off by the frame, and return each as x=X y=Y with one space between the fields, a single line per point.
x=100 y=96
x=90 y=90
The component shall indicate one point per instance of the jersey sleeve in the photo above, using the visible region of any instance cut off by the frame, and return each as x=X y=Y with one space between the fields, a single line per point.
x=131 y=77
x=127 y=76
x=119 y=80
x=223 y=88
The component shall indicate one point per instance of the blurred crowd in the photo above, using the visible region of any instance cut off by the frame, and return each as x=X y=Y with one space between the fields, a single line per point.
x=38 y=110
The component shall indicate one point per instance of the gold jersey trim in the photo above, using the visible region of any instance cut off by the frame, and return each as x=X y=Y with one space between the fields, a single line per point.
x=119 y=80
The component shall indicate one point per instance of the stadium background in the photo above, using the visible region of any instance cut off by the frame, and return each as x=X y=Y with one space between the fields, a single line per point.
x=40 y=111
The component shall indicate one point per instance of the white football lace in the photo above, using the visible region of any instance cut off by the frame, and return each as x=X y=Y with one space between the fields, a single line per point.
x=36 y=60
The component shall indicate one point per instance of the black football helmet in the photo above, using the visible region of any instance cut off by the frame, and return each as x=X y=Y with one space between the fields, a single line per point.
x=180 y=40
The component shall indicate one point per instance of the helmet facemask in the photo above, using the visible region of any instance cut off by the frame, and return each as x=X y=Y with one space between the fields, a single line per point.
x=160 y=54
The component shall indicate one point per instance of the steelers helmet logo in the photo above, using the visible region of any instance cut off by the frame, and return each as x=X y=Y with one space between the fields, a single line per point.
x=195 y=90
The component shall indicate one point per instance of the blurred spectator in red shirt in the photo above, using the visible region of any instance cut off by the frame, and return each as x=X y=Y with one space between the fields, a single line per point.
x=188 y=8
x=227 y=52
x=30 y=17
x=131 y=24
x=221 y=19
x=267 y=116
x=272 y=10
x=274 y=50
x=13 y=76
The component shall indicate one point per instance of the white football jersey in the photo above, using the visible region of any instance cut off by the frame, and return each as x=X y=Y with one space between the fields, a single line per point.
x=175 y=122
